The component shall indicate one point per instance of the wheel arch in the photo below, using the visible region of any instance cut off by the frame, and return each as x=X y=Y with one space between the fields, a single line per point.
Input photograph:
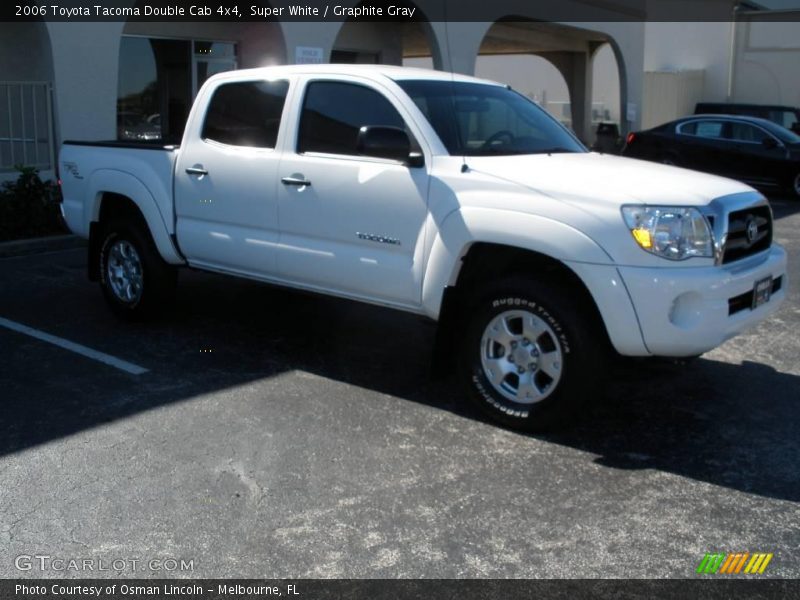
x=530 y=246
x=482 y=235
x=115 y=193
x=488 y=261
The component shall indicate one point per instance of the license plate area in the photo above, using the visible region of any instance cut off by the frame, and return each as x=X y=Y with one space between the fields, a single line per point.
x=762 y=291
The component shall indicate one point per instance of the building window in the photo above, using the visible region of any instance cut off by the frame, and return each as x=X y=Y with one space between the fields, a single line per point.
x=211 y=58
x=138 y=107
x=158 y=80
x=26 y=126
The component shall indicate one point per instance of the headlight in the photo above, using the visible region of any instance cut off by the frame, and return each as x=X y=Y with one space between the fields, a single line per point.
x=672 y=232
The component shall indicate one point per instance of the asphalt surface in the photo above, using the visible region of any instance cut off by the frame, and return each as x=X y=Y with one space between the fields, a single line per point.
x=283 y=435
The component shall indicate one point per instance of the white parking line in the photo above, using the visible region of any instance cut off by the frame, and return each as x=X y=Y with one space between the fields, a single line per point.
x=102 y=357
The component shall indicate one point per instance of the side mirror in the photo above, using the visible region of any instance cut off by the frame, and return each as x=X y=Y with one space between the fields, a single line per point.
x=387 y=142
x=769 y=143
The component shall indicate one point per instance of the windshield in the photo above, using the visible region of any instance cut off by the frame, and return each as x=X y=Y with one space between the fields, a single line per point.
x=476 y=119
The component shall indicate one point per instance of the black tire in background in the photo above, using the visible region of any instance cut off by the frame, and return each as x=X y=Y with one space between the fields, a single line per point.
x=532 y=354
x=136 y=282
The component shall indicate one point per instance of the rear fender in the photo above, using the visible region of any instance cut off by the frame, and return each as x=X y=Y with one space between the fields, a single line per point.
x=106 y=181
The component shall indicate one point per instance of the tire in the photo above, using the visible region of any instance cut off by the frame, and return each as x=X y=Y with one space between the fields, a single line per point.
x=136 y=282
x=550 y=337
x=794 y=187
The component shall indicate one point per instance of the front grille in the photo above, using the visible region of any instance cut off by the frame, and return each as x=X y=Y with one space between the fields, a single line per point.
x=738 y=245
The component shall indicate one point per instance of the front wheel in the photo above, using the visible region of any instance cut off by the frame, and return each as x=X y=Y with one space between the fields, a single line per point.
x=135 y=280
x=795 y=187
x=532 y=354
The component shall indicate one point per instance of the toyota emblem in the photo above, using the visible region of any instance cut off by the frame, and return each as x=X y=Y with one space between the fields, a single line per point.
x=751 y=230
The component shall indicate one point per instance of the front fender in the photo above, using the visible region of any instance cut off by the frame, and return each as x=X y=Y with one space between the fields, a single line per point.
x=105 y=181
x=467 y=226
x=577 y=251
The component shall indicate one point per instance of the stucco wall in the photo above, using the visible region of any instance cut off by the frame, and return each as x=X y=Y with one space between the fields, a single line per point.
x=767 y=67
x=703 y=47
x=25 y=53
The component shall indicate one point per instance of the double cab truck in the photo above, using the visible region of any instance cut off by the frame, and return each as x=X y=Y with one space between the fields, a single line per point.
x=450 y=197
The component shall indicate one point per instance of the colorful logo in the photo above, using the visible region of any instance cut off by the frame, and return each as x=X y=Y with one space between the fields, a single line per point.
x=734 y=563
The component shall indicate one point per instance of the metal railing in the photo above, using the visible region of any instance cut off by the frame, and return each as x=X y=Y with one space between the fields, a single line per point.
x=26 y=125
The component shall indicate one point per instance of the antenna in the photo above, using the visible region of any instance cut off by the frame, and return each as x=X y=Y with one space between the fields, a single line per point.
x=464 y=165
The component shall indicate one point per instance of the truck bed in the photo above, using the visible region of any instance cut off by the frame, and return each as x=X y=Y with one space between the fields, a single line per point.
x=142 y=168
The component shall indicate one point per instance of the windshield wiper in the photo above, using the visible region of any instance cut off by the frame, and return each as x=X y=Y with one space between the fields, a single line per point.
x=511 y=152
x=554 y=150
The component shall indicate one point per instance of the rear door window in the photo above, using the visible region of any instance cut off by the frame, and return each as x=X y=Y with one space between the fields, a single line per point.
x=709 y=129
x=246 y=113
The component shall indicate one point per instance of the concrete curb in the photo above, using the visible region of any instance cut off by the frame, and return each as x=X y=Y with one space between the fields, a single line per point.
x=39 y=245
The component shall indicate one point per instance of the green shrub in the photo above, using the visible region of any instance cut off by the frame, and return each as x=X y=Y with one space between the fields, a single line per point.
x=29 y=207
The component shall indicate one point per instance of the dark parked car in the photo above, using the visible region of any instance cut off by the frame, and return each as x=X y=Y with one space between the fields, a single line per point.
x=755 y=151
x=785 y=116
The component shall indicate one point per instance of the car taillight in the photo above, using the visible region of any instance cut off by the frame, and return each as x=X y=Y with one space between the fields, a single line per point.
x=630 y=138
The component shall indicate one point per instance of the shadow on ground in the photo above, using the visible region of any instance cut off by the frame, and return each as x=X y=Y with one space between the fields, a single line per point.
x=729 y=425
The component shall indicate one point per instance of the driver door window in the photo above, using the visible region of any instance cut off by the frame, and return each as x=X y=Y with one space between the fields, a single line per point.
x=709 y=129
x=333 y=113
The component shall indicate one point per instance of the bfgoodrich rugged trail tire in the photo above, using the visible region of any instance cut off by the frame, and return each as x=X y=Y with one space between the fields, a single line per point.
x=136 y=282
x=532 y=354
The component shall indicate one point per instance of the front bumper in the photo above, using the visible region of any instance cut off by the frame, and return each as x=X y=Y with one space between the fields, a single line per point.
x=687 y=311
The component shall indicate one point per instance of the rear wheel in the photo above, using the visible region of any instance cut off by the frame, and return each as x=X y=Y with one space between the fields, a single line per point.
x=532 y=354
x=135 y=280
x=796 y=186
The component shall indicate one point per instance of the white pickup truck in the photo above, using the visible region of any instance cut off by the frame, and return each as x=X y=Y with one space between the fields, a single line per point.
x=447 y=196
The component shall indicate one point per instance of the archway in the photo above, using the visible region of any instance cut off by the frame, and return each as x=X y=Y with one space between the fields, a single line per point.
x=533 y=76
x=26 y=105
x=607 y=93
x=403 y=43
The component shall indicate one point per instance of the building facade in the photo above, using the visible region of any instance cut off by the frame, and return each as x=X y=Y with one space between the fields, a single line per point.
x=137 y=80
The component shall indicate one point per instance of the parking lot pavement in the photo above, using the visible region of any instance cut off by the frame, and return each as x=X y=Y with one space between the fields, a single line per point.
x=276 y=434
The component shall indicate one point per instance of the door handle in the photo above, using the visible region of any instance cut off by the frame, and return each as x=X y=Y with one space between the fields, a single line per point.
x=196 y=171
x=295 y=181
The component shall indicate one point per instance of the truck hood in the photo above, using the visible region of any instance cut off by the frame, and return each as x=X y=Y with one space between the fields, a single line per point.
x=596 y=179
